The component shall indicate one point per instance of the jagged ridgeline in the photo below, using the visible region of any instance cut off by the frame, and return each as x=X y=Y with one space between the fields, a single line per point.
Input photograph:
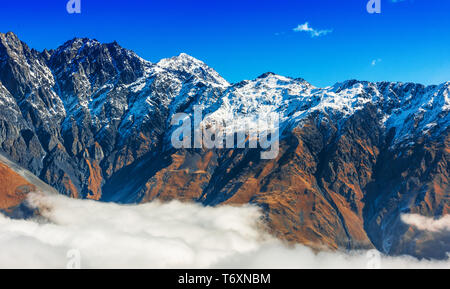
x=93 y=121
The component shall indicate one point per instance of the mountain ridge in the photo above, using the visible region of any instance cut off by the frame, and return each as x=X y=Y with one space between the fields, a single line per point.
x=93 y=120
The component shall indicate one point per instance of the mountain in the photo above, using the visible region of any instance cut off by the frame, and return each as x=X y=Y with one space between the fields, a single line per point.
x=93 y=120
x=16 y=184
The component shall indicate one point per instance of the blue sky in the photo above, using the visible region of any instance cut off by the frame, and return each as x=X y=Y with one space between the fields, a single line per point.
x=408 y=41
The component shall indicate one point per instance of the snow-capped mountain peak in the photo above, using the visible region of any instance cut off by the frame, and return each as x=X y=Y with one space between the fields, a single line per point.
x=191 y=66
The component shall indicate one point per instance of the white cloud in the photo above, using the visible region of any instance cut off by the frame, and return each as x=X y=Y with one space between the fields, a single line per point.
x=156 y=235
x=375 y=61
x=427 y=224
x=313 y=32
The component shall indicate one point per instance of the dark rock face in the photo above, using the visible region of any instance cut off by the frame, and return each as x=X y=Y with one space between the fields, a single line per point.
x=93 y=121
x=410 y=180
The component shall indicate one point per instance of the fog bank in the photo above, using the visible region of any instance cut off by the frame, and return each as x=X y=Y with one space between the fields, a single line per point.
x=89 y=234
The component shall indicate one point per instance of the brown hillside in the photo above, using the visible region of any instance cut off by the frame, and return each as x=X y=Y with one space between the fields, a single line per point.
x=13 y=187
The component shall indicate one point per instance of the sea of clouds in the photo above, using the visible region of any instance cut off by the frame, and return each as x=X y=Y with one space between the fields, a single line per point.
x=89 y=234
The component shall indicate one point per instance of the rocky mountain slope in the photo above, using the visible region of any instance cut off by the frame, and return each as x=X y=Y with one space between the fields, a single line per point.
x=93 y=121
x=15 y=184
